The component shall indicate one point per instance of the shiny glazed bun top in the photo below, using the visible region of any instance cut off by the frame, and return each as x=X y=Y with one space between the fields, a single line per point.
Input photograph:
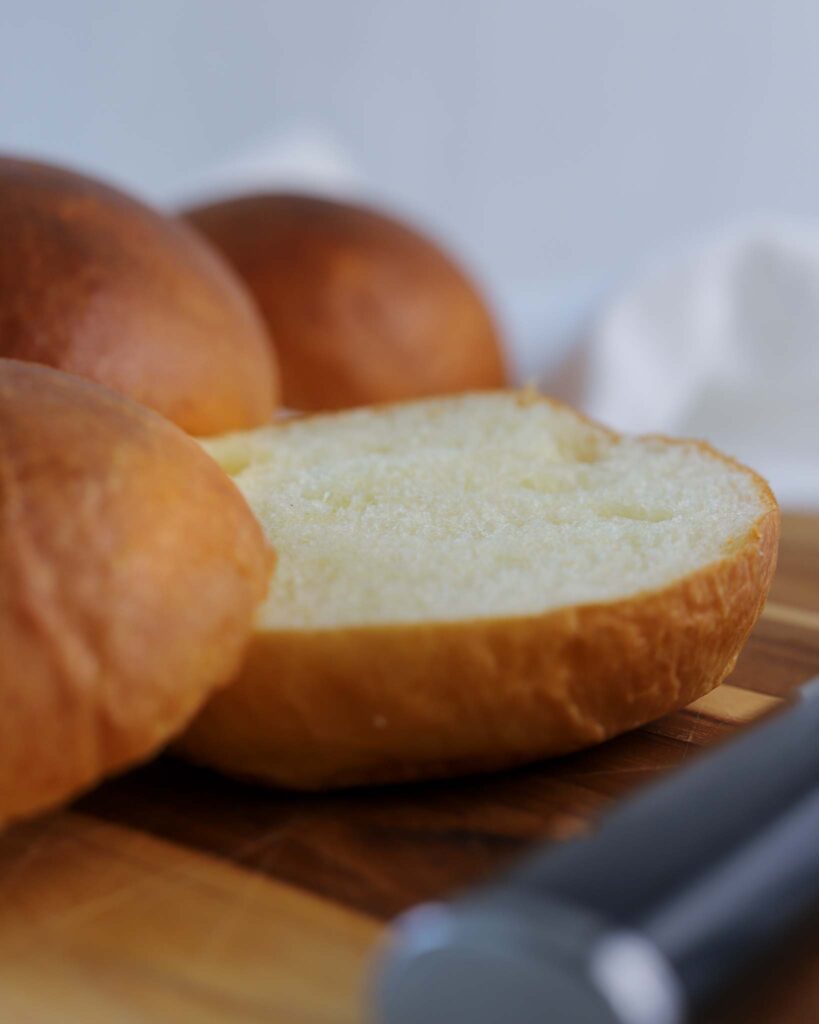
x=361 y=308
x=130 y=569
x=97 y=284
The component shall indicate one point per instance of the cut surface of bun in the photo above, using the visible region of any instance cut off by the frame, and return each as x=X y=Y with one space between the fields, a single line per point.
x=97 y=284
x=361 y=307
x=478 y=581
x=130 y=569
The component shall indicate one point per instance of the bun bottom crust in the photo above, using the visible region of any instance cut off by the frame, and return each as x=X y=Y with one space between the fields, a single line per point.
x=342 y=707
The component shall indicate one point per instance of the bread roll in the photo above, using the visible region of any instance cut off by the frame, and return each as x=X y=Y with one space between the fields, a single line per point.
x=97 y=284
x=361 y=308
x=471 y=583
x=130 y=568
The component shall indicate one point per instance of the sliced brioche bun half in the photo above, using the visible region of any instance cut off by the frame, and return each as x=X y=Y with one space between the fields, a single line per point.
x=130 y=568
x=361 y=308
x=97 y=284
x=471 y=583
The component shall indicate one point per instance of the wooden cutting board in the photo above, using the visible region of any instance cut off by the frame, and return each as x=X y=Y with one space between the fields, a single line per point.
x=172 y=895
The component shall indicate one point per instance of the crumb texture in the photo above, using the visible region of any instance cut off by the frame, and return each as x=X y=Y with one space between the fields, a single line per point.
x=482 y=506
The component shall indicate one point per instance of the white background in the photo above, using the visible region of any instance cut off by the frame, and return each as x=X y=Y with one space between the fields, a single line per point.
x=550 y=142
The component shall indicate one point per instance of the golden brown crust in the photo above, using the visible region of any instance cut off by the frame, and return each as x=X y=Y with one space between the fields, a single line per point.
x=97 y=284
x=335 y=707
x=362 y=309
x=130 y=568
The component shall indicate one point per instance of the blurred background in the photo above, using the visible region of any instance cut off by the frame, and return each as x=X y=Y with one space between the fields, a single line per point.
x=568 y=152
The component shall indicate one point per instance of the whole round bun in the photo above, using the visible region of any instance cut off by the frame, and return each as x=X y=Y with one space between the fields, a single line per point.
x=361 y=308
x=97 y=284
x=130 y=568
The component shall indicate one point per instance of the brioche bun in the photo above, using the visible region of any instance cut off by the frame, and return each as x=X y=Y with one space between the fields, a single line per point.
x=94 y=283
x=130 y=568
x=361 y=308
x=470 y=583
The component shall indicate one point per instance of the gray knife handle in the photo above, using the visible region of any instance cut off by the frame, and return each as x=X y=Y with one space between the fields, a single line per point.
x=645 y=920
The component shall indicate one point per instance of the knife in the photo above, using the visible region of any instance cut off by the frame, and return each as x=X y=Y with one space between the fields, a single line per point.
x=643 y=921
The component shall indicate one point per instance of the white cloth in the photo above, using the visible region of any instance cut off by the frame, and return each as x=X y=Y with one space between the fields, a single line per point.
x=721 y=344
x=303 y=159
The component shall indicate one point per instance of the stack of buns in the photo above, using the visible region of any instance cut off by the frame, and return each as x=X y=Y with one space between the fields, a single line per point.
x=421 y=587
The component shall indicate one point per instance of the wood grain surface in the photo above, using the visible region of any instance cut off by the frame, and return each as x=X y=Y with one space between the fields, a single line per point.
x=173 y=895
